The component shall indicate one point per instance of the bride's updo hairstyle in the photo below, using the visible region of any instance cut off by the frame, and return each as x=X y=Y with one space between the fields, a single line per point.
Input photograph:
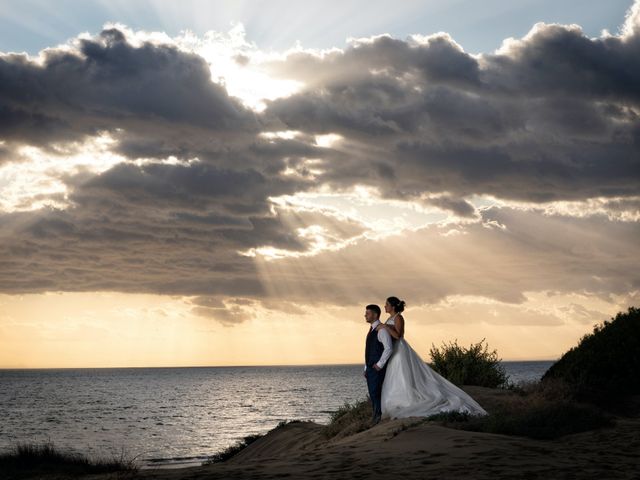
x=396 y=303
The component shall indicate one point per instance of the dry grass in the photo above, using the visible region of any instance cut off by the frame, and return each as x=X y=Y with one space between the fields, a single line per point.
x=232 y=450
x=349 y=419
x=541 y=410
x=26 y=460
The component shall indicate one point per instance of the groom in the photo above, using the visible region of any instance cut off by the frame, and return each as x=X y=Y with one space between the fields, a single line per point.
x=377 y=351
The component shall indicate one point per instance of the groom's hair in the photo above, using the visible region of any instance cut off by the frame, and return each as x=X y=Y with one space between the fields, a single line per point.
x=374 y=308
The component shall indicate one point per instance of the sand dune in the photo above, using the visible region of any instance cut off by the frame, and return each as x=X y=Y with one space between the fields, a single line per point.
x=414 y=449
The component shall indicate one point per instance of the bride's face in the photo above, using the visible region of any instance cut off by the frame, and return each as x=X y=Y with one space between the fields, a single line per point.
x=388 y=308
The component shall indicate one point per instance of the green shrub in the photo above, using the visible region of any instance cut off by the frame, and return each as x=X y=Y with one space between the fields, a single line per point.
x=547 y=421
x=475 y=365
x=606 y=363
x=349 y=419
x=448 y=417
x=26 y=460
x=540 y=411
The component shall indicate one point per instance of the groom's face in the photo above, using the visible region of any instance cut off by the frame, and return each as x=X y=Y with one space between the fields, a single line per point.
x=370 y=316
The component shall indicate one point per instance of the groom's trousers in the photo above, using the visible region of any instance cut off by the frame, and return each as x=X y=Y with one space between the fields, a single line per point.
x=374 y=383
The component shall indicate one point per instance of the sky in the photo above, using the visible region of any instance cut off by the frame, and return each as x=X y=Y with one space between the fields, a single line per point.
x=230 y=183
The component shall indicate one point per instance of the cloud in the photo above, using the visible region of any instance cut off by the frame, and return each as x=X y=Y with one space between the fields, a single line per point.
x=229 y=313
x=552 y=116
x=197 y=186
x=533 y=251
x=107 y=83
x=159 y=228
x=547 y=127
x=458 y=206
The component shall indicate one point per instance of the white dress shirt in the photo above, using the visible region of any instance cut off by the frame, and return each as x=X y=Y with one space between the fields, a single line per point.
x=385 y=338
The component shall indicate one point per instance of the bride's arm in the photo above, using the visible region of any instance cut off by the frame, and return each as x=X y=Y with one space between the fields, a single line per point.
x=397 y=329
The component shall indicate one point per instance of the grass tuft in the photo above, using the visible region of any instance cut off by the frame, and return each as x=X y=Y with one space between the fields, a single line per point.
x=26 y=460
x=233 y=449
x=349 y=419
x=539 y=410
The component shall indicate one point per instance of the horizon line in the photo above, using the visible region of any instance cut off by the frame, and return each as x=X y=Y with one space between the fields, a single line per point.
x=231 y=366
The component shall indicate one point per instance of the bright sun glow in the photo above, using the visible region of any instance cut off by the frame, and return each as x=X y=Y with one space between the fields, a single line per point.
x=237 y=64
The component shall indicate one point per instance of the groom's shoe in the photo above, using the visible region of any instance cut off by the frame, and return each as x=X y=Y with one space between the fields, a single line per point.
x=375 y=420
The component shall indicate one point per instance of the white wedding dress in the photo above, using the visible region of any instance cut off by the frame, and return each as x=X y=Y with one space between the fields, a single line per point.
x=411 y=388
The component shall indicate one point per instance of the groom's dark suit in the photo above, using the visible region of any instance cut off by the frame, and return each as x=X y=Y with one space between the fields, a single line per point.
x=374 y=353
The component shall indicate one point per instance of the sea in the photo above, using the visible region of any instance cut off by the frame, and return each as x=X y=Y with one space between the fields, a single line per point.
x=176 y=417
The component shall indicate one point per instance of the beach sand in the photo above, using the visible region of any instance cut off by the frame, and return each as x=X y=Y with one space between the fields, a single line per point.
x=413 y=449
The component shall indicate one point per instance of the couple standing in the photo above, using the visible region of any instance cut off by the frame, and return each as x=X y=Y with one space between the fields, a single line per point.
x=400 y=383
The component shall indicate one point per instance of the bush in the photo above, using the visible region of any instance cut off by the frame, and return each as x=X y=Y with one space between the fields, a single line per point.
x=546 y=421
x=349 y=419
x=26 y=460
x=448 y=417
x=605 y=364
x=540 y=411
x=475 y=365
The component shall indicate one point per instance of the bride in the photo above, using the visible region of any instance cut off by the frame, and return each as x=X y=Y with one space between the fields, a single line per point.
x=411 y=388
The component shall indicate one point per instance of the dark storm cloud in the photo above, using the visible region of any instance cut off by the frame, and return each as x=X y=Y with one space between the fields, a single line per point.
x=562 y=60
x=552 y=116
x=105 y=83
x=111 y=245
x=460 y=207
x=196 y=186
x=5 y=154
x=157 y=228
x=32 y=126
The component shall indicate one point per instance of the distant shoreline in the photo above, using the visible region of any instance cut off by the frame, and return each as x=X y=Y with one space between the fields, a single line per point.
x=231 y=366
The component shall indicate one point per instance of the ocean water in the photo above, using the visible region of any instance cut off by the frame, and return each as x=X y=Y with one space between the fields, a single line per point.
x=170 y=417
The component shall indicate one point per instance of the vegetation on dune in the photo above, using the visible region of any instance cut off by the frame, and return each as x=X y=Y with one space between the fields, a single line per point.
x=349 y=419
x=538 y=410
x=233 y=449
x=475 y=365
x=597 y=376
x=535 y=410
x=604 y=365
x=243 y=443
x=26 y=460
